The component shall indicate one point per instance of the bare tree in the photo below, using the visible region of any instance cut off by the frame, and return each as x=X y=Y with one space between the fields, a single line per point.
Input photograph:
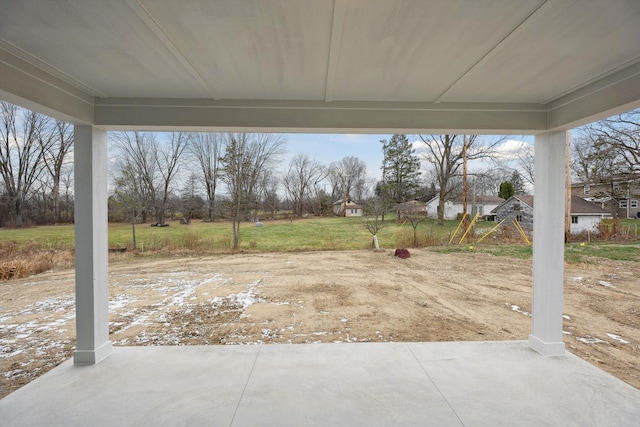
x=206 y=149
x=137 y=167
x=270 y=200
x=445 y=155
x=301 y=179
x=192 y=202
x=155 y=165
x=56 y=158
x=130 y=194
x=246 y=158
x=168 y=166
x=526 y=163
x=373 y=220
x=622 y=134
x=595 y=161
x=22 y=150
x=348 y=177
x=67 y=181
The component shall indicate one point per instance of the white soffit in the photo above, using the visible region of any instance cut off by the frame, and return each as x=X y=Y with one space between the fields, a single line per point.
x=563 y=46
x=415 y=50
x=506 y=65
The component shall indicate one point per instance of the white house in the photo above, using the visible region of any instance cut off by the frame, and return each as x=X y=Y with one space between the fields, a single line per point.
x=585 y=215
x=350 y=208
x=452 y=208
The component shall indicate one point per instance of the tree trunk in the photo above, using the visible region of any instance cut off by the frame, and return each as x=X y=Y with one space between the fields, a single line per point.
x=236 y=233
x=18 y=212
x=55 y=195
x=441 y=198
x=133 y=229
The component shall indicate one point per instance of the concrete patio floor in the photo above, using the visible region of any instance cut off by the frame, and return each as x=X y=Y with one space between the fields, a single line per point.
x=360 y=384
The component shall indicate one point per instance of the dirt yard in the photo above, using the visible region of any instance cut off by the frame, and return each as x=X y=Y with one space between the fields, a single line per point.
x=356 y=296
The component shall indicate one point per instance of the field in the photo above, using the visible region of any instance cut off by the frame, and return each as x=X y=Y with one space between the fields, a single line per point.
x=185 y=297
x=34 y=250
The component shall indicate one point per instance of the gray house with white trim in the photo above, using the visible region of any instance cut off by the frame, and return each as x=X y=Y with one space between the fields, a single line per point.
x=585 y=216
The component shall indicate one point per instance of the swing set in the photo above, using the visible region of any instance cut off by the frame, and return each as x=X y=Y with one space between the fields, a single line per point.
x=515 y=223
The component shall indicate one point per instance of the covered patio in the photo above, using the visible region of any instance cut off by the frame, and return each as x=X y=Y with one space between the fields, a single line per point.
x=364 y=384
x=534 y=67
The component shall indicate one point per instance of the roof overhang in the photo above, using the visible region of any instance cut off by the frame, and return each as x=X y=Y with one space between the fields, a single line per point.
x=473 y=66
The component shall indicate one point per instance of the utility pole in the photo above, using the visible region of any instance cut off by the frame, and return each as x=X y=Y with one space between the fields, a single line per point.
x=567 y=190
x=464 y=183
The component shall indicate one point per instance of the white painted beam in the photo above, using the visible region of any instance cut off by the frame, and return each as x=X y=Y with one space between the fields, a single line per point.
x=318 y=116
x=92 y=294
x=26 y=85
x=548 y=244
x=604 y=97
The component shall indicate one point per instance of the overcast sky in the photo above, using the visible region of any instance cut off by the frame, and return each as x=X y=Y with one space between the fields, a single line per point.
x=328 y=148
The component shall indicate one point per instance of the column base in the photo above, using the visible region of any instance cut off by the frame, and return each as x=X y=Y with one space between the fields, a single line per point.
x=91 y=357
x=546 y=348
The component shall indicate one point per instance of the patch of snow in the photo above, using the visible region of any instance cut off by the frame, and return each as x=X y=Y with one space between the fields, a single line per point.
x=590 y=340
x=566 y=316
x=606 y=284
x=566 y=332
x=617 y=338
x=516 y=308
x=120 y=301
x=241 y=300
x=576 y=279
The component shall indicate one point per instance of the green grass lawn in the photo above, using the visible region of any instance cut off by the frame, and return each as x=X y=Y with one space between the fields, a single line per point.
x=302 y=235
x=299 y=235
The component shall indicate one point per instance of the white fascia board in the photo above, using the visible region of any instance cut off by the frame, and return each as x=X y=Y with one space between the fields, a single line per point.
x=320 y=116
x=614 y=94
x=26 y=85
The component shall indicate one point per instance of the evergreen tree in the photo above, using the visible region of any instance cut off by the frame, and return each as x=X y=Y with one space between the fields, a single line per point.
x=506 y=190
x=518 y=183
x=400 y=169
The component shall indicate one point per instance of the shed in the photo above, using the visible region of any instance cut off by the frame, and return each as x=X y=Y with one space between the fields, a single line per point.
x=585 y=216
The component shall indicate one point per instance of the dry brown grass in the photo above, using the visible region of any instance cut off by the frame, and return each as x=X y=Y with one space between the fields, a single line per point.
x=18 y=261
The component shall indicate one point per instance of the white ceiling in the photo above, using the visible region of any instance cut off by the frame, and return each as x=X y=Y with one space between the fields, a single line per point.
x=503 y=65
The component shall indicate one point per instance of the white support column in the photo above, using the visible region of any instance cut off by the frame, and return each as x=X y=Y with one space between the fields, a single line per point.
x=92 y=293
x=548 y=244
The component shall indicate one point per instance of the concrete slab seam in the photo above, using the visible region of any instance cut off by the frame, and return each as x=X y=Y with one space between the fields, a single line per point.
x=244 y=389
x=435 y=385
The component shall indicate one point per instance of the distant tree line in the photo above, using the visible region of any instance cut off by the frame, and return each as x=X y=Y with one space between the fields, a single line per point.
x=240 y=176
x=36 y=173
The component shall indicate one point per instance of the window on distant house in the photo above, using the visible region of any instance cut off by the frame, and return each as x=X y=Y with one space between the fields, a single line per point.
x=634 y=204
x=574 y=220
x=616 y=186
x=519 y=218
x=587 y=190
x=353 y=211
x=623 y=204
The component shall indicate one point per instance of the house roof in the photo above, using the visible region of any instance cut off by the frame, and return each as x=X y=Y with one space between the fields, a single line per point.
x=480 y=199
x=579 y=206
x=349 y=203
x=524 y=198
